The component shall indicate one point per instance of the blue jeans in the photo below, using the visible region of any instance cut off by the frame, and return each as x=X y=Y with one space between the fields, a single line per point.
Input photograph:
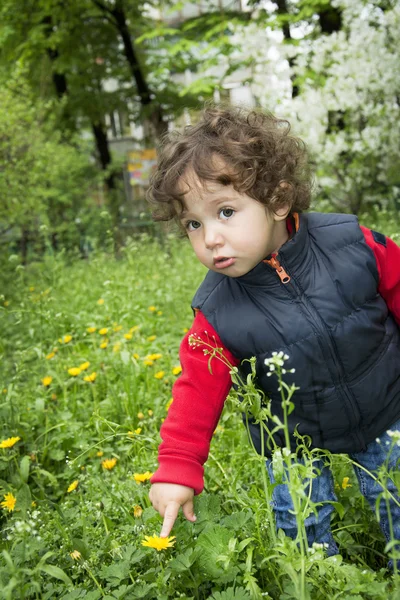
x=318 y=526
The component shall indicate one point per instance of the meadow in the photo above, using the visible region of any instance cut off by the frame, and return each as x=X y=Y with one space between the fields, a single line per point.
x=89 y=352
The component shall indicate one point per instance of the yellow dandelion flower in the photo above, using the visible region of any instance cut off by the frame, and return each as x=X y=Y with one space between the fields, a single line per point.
x=72 y=486
x=9 y=502
x=148 y=362
x=66 y=339
x=33 y=504
x=6 y=303
x=158 y=543
x=100 y=301
x=84 y=366
x=185 y=330
x=140 y=415
x=9 y=442
x=151 y=338
x=159 y=313
x=117 y=328
x=4 y=390
x=109 y=463
x=159 y=374
x=104 y=344
x=150 y=412
x=345 y=483
x=169 y=403
x=103 y=331
x=135 y=432
x=50 y=355
x=91 y=329
x=152 y=309
x=137 y=511
x=117 y=347
x=32 y=288
x=75 y=555
x=177 y=370
x=47 y=380
x=154 y=356
x=134 y=328
x=99 y=453
x=91 y=378
x=74 y=371
x=135 y=355
x=142 y=477
x=128 y=336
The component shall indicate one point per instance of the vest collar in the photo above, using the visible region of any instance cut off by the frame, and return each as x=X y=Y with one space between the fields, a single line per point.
x=293 y=254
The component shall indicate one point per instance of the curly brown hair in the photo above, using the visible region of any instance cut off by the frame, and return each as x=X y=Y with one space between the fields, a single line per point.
x=259 y=158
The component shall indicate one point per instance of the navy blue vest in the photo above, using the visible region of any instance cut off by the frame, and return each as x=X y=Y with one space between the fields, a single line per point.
x=332 y=323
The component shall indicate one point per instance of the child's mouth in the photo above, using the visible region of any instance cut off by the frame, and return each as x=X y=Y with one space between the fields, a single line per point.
x=223 y=263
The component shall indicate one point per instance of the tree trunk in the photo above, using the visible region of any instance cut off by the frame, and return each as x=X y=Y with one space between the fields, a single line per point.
x=283 y=10
x=144 y=92
x=100 y=135
x=59 y=79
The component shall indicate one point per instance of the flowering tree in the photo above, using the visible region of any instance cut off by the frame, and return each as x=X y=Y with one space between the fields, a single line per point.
x=348 y=106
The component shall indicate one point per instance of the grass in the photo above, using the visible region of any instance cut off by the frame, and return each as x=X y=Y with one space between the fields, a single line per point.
x=77 y=527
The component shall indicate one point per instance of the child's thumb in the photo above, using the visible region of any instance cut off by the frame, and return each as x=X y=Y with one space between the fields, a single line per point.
x=188 y=511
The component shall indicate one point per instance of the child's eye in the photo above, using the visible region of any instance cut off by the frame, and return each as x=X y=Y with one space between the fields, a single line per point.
x=226 y=213
x=192 y=225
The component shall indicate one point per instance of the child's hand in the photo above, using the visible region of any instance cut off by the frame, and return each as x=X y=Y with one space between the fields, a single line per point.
x=167 y=498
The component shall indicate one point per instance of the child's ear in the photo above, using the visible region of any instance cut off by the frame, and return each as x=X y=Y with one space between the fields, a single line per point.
x=282 y=195
x=281 y=213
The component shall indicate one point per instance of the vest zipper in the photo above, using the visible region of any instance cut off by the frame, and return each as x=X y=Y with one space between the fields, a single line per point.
x=280 y=271
x=285 y=279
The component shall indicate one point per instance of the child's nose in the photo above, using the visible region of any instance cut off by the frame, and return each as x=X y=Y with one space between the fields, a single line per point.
x=213 y=237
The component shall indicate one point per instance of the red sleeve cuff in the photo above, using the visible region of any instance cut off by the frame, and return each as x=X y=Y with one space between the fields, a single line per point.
x=180 y=471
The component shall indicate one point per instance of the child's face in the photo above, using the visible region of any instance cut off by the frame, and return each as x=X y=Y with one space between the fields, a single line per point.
x=230 y=232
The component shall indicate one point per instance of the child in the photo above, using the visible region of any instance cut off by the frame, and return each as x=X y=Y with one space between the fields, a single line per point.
x=318 y=287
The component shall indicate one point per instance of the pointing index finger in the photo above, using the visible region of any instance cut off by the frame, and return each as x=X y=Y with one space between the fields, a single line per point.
x=170 y=514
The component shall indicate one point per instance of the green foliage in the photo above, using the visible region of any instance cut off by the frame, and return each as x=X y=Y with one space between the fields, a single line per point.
x=45 y=182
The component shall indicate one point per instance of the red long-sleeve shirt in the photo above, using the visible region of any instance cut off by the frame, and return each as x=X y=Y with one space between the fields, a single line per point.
x=199 y=394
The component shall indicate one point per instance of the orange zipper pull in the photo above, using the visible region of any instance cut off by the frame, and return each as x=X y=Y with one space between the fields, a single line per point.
x=283 y=276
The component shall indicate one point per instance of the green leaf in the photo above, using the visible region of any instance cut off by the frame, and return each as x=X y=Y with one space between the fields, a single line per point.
x=232 y=594
x=50 y=476
x=24 y=498
x=24 y=468
x=125 y=357
x=182 y=562
x=39 y=405
x=207 y=508
x=212 y=545
x=339 y=508
x=237 y=520
x=57 y=573
x=57 y=454
x=155 y=33
x=116 y=572
x=9 y=561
